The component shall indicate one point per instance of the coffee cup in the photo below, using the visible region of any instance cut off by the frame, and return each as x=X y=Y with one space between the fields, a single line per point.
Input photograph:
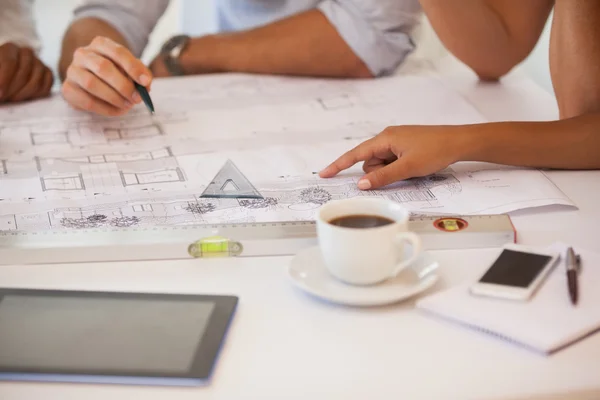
x=362 y=239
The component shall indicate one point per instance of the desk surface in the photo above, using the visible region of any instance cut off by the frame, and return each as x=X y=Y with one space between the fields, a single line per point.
x=286 y=344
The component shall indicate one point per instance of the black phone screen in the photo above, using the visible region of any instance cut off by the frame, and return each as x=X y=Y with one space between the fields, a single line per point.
x=515 y=268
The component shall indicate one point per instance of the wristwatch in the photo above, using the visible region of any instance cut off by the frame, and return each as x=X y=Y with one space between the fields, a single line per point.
x=171 y=51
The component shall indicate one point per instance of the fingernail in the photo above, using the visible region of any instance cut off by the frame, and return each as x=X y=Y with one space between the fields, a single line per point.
x=144 y=80
x=364 y=184
x=136 y=97
x=128 y=104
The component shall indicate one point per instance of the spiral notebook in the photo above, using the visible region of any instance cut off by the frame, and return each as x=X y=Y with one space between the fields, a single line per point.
x=546 y=323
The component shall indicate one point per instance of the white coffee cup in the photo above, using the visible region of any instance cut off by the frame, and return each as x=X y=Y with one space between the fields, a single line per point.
x=365 y=256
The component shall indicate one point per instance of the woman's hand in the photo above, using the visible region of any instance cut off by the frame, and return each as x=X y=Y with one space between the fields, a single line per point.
x=401 y=152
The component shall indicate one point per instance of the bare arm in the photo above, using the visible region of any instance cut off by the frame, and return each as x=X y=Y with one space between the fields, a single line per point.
x=490 y=36
x=575 y=57
x=338 y=38
x=573 y=142
x=305 y=44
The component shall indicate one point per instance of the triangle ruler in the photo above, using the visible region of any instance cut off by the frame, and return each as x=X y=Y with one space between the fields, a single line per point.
x=230 y=183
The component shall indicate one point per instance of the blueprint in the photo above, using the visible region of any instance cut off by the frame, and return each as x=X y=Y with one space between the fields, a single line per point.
x=65 y=169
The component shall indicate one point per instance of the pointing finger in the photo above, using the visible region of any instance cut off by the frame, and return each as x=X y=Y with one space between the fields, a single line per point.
x=362 y=152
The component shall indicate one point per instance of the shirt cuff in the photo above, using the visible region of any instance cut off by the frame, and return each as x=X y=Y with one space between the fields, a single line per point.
x=23 y=41
x=382 y=42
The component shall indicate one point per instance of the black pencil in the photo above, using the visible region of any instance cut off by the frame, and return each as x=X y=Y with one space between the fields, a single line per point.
x=145 y=96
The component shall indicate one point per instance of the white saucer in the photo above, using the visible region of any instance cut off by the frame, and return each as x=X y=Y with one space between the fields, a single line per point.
x=307 y=271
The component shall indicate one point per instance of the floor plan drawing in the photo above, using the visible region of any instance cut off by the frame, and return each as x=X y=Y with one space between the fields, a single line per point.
x=134 y=161
x=109 y=158
x=75 y=133
x=41 y=139
x=65 y=169
x=294 y=199
x=63 y=183
x=43 y=177
x=136 y=132
x=144 y=178
x=337 y=102
x=8 y=223
x=286 y=199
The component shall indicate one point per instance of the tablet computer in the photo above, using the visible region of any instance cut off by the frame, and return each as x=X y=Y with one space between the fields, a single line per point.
x=109 y=337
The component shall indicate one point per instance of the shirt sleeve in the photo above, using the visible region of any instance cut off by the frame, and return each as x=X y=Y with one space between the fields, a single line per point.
x=378 y=31
x=134 y=19
x=17 y=24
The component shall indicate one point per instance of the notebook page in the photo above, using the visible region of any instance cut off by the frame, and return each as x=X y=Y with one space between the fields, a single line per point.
x=546 y=323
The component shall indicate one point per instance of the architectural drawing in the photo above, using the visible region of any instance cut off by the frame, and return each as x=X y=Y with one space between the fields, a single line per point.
x=79 y=176
x=63 y=183
x=343 y=101
x=8 y=222
x=137 y=161
x=41 y=139
x=108 y=158
x=134 y=132
x=285 y=199
x=74 y=133
x=65 y=169
x=152 y=177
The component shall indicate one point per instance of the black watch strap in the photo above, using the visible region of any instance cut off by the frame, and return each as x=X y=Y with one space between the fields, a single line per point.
x=171 y=52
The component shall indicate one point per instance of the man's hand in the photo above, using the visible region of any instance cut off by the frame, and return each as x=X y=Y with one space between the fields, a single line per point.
x=401 y=152
x=22 y=75
x=100 y=78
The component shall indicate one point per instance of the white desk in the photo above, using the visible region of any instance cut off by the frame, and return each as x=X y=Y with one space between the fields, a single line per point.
x=286 y=345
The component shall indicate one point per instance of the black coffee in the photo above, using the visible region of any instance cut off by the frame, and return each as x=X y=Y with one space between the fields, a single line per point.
x=361 y=221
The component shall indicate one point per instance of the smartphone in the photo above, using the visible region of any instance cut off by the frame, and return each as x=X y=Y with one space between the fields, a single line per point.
x=516 y=273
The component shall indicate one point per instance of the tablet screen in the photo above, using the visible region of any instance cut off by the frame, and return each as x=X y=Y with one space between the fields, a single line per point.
x=125 y=334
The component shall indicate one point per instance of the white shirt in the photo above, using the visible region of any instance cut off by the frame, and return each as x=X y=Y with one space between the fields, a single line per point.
x=378 y=31
x=17 y=24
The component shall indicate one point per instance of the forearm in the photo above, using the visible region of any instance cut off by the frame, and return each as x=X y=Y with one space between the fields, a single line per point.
x=575 y=56
x=490 y=36
x=81 y=33
x=565 y=144
x=306 y=44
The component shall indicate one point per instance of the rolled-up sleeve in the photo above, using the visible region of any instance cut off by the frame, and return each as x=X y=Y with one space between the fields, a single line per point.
x=378 y=31
x=134 y=19
x=17 y=24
